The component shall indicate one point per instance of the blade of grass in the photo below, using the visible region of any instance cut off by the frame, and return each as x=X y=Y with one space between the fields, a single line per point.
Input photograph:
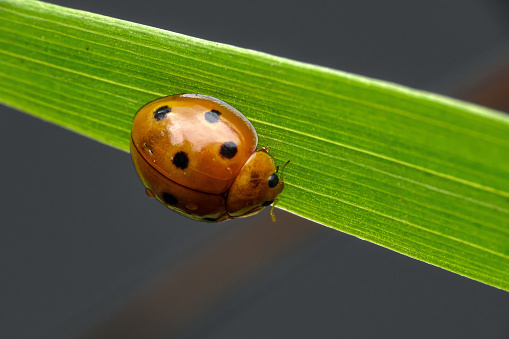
x=418 y=173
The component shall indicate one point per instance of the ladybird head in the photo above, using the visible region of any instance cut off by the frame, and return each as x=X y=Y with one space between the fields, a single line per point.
x=256 y=186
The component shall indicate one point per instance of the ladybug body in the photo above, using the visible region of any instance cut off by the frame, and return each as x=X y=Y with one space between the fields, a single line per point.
x=197 y=155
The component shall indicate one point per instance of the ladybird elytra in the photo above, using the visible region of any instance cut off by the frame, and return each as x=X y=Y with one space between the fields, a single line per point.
x=197 y=156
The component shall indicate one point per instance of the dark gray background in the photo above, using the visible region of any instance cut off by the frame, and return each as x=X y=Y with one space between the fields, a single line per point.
x=79 y=238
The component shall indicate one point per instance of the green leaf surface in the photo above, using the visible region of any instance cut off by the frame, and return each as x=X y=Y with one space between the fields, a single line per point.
x=418 y=173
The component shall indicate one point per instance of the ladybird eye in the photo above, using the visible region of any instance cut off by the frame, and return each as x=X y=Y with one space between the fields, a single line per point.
x=273 y=180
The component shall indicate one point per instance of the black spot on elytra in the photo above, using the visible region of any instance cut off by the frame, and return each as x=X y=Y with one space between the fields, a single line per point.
x=161 y=112
x=228 y=149
x=170 y=199
x=212 y=116
x=273 y=180
x=181 y=160
x=209 y=219
x=268 y=203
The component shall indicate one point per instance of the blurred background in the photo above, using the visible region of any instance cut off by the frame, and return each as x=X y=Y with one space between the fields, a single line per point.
x=85 y=254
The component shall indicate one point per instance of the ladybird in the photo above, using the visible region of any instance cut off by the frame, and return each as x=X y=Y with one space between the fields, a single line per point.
x=197 y=155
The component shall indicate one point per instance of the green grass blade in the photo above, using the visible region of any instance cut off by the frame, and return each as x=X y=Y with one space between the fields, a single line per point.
x=421 y=174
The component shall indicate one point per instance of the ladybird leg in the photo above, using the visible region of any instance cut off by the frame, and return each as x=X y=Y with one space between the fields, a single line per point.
x=272 y=210
x=149 y=193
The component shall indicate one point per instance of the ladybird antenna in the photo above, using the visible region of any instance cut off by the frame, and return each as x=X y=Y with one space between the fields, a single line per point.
x=282 y=170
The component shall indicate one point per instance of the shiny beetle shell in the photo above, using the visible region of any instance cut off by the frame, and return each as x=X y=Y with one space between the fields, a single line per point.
x=197 y=155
